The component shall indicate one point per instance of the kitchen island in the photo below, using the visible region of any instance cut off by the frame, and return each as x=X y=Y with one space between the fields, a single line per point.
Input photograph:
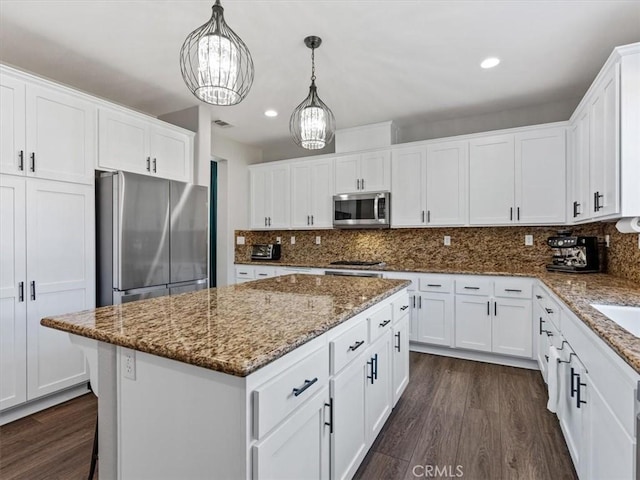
x=266 y=379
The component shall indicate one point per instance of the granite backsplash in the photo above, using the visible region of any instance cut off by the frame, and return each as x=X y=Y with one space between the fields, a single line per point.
x=482 y=248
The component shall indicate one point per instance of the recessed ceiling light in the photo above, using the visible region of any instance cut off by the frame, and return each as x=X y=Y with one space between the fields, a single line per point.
x=490 y=62
x=271 y=113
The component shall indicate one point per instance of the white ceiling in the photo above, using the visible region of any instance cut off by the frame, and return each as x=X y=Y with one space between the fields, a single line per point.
x=408 y=61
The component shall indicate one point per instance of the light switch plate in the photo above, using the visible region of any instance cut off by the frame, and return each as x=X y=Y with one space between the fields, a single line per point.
x=293 y=240
x=607 y=240
x=239 y=240
x=447 y=240
x=317 y=239
x=278 y=240
x=528 y=240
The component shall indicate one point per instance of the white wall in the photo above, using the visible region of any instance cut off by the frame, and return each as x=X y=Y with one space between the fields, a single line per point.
x=233 y=197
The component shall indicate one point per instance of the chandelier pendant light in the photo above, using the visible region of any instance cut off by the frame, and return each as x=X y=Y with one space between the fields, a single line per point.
x=312 y=124
x=215 y=63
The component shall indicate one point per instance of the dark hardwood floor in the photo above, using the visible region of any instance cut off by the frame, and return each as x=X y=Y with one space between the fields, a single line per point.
x=474 y=420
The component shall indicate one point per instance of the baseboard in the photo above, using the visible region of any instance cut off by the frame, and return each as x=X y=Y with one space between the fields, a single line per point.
x=476 y=356
x=20 y=411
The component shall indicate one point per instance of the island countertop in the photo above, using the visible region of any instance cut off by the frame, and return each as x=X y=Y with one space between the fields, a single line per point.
x=236 y=329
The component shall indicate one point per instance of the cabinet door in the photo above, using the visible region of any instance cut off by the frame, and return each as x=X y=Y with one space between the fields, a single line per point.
x=511 y=327
x=604 y=145
x=473 y=323
x=60 y=133
x=400 y=357
x=349 y=439
x=299 y=448
x=321 y=191
x=378 y=385
x=435 y=318
x=61 y=276
x=541 y=337
x=541 y=176
x=375 y=172
x=123 y=142
x=12 y=124
x=258 y=181
x=13 y=327
x=347 y=174
x=278 y=191
x=580 y=207
x=491 y=180
x=300 y=198
x=409 y=180
x=171 y=153
x=569 y=415
x=610 y=452
x=447 y=183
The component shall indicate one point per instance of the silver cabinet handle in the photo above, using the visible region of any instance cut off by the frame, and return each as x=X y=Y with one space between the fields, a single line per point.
x=307 y=384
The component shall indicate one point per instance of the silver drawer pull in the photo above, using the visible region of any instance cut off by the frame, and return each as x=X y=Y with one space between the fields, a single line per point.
x=385 y=323
x=356 y=346
x=307 y=384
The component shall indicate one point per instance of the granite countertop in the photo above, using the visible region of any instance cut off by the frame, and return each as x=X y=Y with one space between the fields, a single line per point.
x=235 y=329
x=577 y=291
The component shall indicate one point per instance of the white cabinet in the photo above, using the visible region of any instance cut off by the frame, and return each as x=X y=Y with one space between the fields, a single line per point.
x=570 y=412
x=312 y=194
x=299 y=448
x=429 y=185
x=378 y=396
x=491 y=180
x=435 y=313
x=400 y=357
x=580 y=207
x=473 y=322
x=53 y=272
x=46 y=132
x=511 y=327
x=135 y=143
x=363 y=172
x=518 y=178
x=269 y=196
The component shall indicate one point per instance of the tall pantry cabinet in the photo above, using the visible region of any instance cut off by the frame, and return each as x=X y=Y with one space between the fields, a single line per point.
x=47 y=263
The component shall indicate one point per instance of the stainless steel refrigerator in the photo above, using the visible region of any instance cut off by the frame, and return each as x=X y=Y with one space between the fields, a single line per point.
x=151 y=237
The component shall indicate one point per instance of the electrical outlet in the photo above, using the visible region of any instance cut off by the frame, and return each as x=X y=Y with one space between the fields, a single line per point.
x=317 y=239
x=293 y=240
x=278 y=240
x=239 y=240
x=447 y=240
x=129 y=363
x=607 y=241
x=528 y=240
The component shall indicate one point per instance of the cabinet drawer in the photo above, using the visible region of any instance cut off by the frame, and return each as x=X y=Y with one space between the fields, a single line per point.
x=261 y=272
x=400 y=307
x=379 y=322
x=245 y=272
x=512 y=288
x=348 y=346
x=473 y=286
x=280 y=396
x=436 y=283
x=548 y=305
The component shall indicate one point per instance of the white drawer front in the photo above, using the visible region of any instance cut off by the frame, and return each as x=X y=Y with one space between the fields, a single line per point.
x=245 y=272
x=400 y=308
x=380 y=322
x=512 y=288
x=436 y=283
x=264 y=272
x=348 y=346
x=548 y=305
x=474 y=286
x=276 y=399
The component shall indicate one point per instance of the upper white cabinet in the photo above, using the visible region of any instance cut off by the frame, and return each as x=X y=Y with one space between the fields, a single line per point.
x=363 y=172
x=605 y=144
x=269 y=196
x=46 y=132
x=429 y=185
x=135 y=143
x=518 y=178
x=312 y=194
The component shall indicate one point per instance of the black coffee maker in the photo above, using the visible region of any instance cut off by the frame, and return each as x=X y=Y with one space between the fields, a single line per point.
x=574 y=253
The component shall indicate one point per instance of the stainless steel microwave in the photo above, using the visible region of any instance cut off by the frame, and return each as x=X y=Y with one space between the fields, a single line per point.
x=362 y=210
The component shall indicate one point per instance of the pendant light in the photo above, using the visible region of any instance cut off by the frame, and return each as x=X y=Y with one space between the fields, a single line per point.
x=216 y=64
x=312 y=124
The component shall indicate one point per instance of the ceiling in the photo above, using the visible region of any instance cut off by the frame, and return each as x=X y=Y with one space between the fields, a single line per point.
x=408 y=61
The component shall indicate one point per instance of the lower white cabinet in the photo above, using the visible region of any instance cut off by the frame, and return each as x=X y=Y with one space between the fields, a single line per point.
x=378 y=383
x=434 y=318
x=511 y=327
x=299 y=447
x=48 y=268
x=400 y=357
x=473 y=322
